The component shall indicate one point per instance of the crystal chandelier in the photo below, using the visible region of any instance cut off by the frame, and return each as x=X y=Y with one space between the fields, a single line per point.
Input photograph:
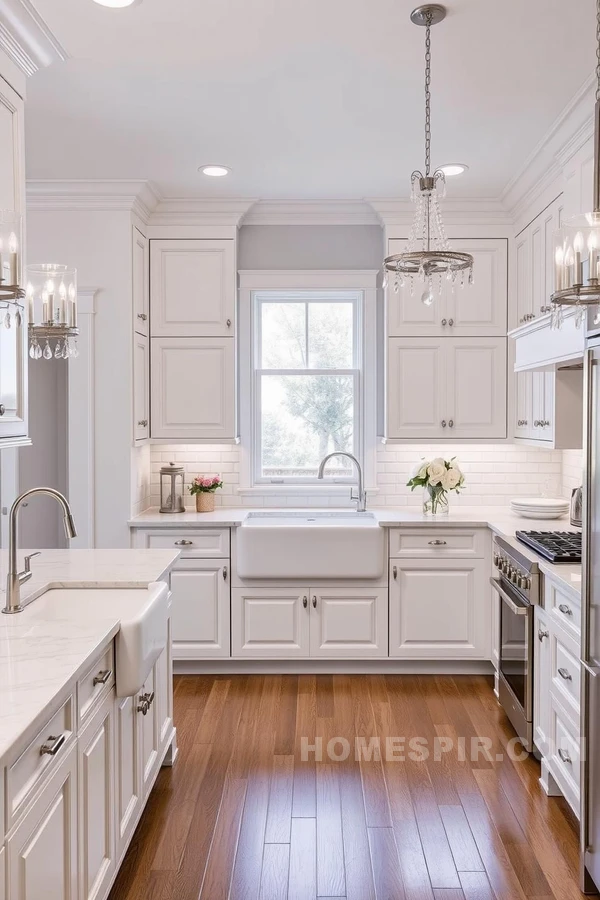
x=428 y=255
x=577 y=242
x=51 y=297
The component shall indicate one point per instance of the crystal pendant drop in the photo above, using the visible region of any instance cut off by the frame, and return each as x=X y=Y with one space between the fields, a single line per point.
x=47 y=354
x=32 y=350
x=58 y=351
x=7 y=320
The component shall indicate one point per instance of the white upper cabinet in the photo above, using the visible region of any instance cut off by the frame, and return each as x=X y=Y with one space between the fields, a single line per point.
x=193 y=388
x=141 y=283
x=549 y=408
x=13 y=341
x=534 y=263
x=477 y=309
x=141 y=389
x=193 y=288
x=446 y=388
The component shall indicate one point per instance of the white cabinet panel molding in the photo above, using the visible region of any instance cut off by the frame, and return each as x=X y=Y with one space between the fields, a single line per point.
x=201 y=609
x=348 y=623
x=269 y=622
x=476 y=387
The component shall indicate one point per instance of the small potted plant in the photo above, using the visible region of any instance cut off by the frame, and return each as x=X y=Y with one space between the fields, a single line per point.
x=437 y=477
x=203 y=488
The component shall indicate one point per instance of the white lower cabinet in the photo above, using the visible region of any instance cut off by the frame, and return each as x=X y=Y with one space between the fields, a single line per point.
x=128 y=781
x=201 y=609
x=541 y=680
x=439 y=609
x=42 y=849
x=97 y=845
x=149 y=735
x=305 y=621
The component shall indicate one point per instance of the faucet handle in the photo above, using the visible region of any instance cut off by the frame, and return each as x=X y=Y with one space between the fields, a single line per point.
x=29 y=558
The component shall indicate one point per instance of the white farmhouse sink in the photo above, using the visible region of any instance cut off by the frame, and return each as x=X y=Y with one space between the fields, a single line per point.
x=143 y=633
x=310 y=545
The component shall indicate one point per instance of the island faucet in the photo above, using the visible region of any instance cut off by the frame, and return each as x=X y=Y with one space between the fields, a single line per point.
x=361 y=499
x=15 y=579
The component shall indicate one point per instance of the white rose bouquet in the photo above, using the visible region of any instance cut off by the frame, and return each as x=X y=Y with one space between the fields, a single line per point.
x=436 y=477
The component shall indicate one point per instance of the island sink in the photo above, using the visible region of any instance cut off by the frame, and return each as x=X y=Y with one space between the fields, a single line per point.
x=318 y=544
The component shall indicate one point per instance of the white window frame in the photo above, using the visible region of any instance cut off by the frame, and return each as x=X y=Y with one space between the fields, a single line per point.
x=359 y=286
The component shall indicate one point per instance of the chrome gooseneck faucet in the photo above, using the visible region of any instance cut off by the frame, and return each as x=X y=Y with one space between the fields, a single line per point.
x=15 y=579
x=361 y=499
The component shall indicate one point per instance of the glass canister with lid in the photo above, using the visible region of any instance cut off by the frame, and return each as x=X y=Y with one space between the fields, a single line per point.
x=172 y=486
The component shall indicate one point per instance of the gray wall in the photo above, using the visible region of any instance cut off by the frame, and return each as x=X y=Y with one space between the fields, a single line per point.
x=310 y=247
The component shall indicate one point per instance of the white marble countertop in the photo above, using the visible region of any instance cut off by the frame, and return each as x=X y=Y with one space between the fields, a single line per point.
x=42 y=653
x=500 y=519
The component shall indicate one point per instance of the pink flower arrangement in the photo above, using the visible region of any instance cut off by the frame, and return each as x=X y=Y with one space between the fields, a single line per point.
x=205 y=484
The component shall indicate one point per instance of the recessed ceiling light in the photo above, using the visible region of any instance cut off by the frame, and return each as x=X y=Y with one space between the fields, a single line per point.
x=214 y=171
x=117 y=4
x=451 y=169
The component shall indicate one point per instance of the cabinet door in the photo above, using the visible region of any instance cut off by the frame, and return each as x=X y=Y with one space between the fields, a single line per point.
x=149 y=726
x=193 y=288
x=538 y=265
x=201 y=609
x=439 y=609
x=476 y=388
x=141 y=388
x=163 y=698
x=406 y=314
x=128 y=777
x=552 y=219
x=479 y=309
x=193 y=388
x=348 y=622
x=523 y=407
x=42 y=851
x=523 y=275
x=141 y=283
x=542 y=679
x=542 y=406
x=270 y=622
x=416 y=388
x=97 y=845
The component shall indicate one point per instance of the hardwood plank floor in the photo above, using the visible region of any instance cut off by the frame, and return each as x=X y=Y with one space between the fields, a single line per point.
x=247 y=813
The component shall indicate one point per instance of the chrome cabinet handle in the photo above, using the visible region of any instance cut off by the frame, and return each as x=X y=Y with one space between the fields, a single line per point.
x=564 y=673
x=102 y=677
x=52 y=745
x=229 y=323
x=143 y=707
x=149 y=698
x=437 y=543
x=565 y=610
x=183 y=543
x=537 y=423
x=542 y=634
x=444 y=322
x=395 y=572
x=314 y=601
x=143 y=423
x=451 y=423
x=225 y=573
x=2 y=409
x=443 y=423
x=450 y=322
x=564 y=756
x=142 y=316
x=305 y=601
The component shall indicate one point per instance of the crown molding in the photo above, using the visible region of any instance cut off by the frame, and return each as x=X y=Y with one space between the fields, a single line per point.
x=471 y=210
x=26 y=39
x=311 y=212
x=97 y=195
x=200 y=211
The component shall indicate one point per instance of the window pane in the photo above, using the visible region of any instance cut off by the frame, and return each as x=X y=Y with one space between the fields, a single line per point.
x=305 y=417
x=283 y=336
x=330 y=335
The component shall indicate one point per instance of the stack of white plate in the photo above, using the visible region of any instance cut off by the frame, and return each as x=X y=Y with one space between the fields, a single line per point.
x=540 y=507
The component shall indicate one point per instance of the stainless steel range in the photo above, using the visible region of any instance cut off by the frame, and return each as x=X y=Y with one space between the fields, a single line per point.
x=518 y=585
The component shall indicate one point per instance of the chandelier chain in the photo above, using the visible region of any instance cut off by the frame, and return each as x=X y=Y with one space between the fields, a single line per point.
x=428 y=92
x=597 y=50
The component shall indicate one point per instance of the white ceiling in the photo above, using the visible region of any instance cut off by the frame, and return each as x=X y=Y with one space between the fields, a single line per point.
x=304 y=99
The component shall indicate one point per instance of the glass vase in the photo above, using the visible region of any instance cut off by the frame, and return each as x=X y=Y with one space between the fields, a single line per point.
x=435 y=501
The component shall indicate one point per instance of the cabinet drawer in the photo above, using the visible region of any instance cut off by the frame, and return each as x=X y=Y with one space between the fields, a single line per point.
x=24 y=776
x=566 y=673
x=565 y=754
x=563 y=609
x=438 y=542
x=205 y=543
x=92 y=687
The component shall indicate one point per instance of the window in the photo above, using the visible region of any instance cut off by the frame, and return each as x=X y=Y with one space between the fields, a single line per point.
x=307 y=384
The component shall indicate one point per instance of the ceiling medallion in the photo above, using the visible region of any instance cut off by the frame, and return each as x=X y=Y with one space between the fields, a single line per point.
x=428 y=255
x=577 y=242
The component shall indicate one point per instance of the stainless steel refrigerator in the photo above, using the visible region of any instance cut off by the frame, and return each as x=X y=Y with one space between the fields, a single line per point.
x=590 y=635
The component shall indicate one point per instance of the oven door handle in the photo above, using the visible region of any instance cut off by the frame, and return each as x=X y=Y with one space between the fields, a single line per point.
x=514 y=608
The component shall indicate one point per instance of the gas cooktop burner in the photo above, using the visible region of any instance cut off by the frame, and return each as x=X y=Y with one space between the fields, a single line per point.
x=555 y=546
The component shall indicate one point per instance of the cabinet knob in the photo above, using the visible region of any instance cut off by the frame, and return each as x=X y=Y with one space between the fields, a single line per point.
x=565 y=610
x=143 y=707
x=443 y=423
x=565 y=674
x=450 y=322
x=305 y=601
x=224 y=573
x=437 y=543
x=143 y=423
x=537 y=423
x=183 y=543
x=229 y=323
x=395 y=573
x=444 y=321
x=142 y=316
x=451 y=423
x=542 y=634
x=52 y=745
x=564 y=756
x=2 y=409
x=314 y=601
